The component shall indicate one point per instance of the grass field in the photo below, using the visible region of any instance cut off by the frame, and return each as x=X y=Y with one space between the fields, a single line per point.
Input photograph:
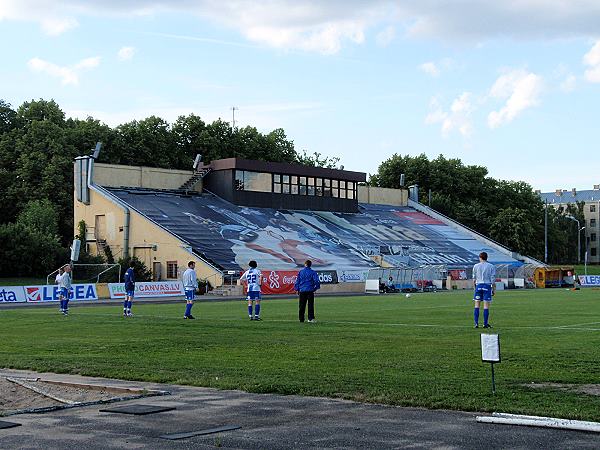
x=389 y=349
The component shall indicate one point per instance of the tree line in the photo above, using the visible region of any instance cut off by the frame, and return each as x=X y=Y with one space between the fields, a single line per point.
x=509 y=212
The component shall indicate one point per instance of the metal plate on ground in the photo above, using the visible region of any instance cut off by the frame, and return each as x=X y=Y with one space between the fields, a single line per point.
x=4 y=424
x=175 y=436
x=138 y=410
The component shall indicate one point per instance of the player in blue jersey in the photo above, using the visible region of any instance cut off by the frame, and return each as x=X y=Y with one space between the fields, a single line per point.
x=190 y=284
x=129 y=290
x=484 y=278
x=253 y=277
x=65 y=289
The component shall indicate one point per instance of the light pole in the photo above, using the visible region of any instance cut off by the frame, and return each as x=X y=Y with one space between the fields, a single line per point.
x=233 y=110
x=579 y=230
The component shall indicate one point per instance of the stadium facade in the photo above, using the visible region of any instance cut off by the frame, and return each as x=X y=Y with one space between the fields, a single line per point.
x=591 y=213
x=231 y=211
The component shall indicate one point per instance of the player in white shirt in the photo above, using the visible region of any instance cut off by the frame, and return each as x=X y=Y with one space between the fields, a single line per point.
x=484 y=278
x=253 y=277
x=57 y=281
x=190 y=284
x=65 y=289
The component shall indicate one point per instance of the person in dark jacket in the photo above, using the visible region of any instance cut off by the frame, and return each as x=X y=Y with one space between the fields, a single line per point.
x=129 y=290
x=306 y=284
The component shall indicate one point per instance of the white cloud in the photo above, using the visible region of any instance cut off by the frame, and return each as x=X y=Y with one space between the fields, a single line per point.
x=435 y=68
x=521 y=89
x=126 y=53
x=458 y=118
x=385 y=36
x=54 y=27
x=569 y=83
x=430 y=68
x=52 y=21
x=592 y=59
x=88 y=63
x=66 y=74
x=325 y=26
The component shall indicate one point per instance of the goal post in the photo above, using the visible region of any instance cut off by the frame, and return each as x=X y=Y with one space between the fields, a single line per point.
x=91 y=273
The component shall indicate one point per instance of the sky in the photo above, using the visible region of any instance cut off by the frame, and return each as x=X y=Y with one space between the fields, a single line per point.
x=513 y=86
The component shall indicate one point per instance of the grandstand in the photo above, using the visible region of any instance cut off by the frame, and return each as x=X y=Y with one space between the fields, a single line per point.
x=349 y=231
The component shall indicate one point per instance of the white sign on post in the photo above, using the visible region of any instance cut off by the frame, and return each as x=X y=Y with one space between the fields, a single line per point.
x=490 y=348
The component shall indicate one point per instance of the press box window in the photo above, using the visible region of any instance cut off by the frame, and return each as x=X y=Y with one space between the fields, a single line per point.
x=172 y=269
x=253 y=181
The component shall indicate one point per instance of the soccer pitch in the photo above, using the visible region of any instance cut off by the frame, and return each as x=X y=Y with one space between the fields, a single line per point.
x=418 y=351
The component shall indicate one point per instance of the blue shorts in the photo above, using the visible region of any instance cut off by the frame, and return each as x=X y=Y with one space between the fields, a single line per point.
x=483 y=291
x=189 y=295
x=64 y=292
x=129 y=293
x=253 y=295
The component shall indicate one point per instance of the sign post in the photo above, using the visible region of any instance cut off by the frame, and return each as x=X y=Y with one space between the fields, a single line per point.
x=490 y=352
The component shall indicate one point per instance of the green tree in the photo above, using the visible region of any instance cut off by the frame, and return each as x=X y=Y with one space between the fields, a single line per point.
x=40 y=215
x=8 y=117
x=141 y=272
x=512 y=226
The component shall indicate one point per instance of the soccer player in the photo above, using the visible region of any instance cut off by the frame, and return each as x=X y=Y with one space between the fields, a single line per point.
x=65 y=287
x=190 y=284
x=129 y=290
x=306 y=284
x=57 y=281
x=484 y=278
x=253 y=276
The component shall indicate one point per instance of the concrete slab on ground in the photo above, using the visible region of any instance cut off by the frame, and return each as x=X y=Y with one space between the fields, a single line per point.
x=267 y=421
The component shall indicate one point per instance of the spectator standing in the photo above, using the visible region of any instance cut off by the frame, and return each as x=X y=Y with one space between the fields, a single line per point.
x=306 y=284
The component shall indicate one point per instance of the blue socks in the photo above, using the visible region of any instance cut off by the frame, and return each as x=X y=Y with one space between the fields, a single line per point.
x=129 y=305
x=476 y=315
x=188 y=308
x=486 y=315
x=250 y=310
x=62 y=305
x=257 y=310
x=125 y=306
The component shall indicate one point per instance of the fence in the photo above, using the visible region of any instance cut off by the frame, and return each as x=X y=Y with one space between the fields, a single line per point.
x=421 y=278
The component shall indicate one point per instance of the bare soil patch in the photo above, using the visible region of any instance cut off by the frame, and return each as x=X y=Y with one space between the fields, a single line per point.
x=20 y=395
x=589 y=389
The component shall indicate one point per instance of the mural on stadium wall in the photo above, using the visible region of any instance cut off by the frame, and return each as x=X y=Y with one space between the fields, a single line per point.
x=230 y=235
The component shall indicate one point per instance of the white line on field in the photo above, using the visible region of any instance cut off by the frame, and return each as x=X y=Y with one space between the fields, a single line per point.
x=579 y=324
x=574 y=327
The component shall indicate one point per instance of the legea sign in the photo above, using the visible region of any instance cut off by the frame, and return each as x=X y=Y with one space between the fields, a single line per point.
x=589 y=280
x=148 y=289
x=50 y=293
x=12 y=294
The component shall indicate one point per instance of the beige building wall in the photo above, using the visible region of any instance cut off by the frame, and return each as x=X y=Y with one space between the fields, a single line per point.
x=591 y=214
x=382 y=196
x=114 y=175
x=149 y=242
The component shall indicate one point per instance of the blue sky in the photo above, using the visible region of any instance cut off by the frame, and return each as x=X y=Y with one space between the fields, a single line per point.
x=513 y=86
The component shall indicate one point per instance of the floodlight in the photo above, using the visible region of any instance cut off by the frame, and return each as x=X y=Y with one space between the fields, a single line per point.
x=197 y=161
x=97 y=150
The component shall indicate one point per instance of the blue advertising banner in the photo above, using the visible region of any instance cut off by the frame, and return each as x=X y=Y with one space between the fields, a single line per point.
x=12 y=294
x=50 y=293
x=589 y=280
